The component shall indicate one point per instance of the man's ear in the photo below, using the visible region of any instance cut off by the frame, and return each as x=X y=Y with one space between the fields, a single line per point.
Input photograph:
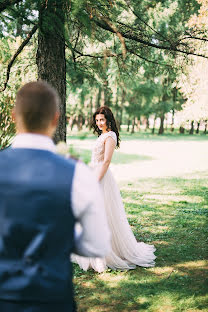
x=55 y=119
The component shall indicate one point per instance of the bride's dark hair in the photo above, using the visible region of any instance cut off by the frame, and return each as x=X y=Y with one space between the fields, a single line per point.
x=110 y=121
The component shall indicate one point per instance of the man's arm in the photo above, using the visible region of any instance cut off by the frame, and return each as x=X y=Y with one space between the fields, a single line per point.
x=89 y=211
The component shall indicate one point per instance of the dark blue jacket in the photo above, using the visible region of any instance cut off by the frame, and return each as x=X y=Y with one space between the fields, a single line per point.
x=36 y=226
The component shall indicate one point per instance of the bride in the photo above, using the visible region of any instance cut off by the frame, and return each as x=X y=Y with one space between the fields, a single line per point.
x=126 y=252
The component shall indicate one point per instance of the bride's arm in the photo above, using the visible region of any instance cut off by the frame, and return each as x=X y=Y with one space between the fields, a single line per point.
x=109 y=149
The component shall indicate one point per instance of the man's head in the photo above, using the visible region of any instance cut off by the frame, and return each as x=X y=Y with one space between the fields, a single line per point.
x=37 y=108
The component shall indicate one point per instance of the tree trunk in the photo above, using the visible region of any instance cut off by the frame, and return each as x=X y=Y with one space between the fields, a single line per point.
x=198 y=125
x=128 y=125
x=181 y=130
x=153 y=128
x=120 y=118
x=166 y=123
x=19 y=22
x=121 y=108
x=80 y=122
x=50 y=56
x=133 y=125
x=173 y=120
x=90 y=113
x=146 y=124
x=117 y=111
x=106 y=94
x=98 y=104
x=161 y=129
x=73 y=123
x=138 y=123
x=191 y=131
x=205 y=127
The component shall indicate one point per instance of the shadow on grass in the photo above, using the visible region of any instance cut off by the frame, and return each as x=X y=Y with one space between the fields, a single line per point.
x=168 y=136
x=175 y=222
x=181 y=223
x=142 y=290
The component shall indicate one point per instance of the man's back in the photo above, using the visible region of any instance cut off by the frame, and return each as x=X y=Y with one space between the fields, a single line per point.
x=37 y=225
x=41 y=195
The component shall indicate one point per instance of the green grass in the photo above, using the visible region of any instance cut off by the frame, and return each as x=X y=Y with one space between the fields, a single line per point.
x=143 y=135
x=118 y=157
x=167 y=136
x=170 y=213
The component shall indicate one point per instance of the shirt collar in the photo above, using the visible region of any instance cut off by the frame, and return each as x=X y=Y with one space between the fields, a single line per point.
x=34 y=141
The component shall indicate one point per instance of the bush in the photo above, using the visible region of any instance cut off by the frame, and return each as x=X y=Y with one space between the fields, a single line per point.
x=7 y=126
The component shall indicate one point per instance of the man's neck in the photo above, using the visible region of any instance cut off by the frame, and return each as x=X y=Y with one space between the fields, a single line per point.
x=44 y=133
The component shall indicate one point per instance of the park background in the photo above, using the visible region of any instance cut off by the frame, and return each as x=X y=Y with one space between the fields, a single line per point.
x=147 y=60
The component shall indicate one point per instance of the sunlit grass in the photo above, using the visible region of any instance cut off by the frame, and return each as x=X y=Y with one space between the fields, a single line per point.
x=177 y=227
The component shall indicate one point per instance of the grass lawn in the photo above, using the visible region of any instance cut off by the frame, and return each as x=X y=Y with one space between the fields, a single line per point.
x=171 y=213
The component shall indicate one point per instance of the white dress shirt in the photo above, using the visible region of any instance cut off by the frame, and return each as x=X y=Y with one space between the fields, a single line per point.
x=87 y=202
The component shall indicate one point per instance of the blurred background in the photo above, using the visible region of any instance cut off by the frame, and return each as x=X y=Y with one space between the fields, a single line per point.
x=148 y=62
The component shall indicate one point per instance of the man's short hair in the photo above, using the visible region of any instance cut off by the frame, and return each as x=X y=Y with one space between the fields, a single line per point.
x=36 y=103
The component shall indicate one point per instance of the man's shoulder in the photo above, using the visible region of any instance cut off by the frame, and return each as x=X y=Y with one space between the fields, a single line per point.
x=5 y=151
x=65 y=160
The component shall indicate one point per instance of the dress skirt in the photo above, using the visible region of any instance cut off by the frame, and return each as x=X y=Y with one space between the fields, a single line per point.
x=126 y=252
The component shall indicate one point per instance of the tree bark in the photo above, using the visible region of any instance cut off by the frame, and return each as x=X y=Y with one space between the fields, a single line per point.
x=90 y=112
x=138 y=124
x=80 y=122
x=121 y=108
x=50 y=56
x=19 y=23
x=161 y=129
x=173 y=120
x=198 y=125
x=128 y=125
x=106 y=94
x=191 y=131
x=153 y=128
x=133 y=125
x=98 y=104
x=146 y=123
x=205 y=127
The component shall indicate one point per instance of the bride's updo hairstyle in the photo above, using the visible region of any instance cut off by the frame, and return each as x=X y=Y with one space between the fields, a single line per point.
x=110 y=121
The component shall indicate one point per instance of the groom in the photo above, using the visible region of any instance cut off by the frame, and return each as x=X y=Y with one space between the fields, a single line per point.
x=42 y=196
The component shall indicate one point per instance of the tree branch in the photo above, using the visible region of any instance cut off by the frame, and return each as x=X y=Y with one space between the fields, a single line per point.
x=159 y=34
x=19 y=50
x=147 y=60
x=109 y=54
x=144 y=42
x=195 y=38
x=118 y=34
x=7 y=3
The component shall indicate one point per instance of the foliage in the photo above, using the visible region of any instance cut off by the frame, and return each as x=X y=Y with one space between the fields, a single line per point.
x=194 y=83
x=114 y=50
x=23 y=71
x=6 y=123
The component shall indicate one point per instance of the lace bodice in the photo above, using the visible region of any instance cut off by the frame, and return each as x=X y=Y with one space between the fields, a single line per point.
x=99 y=147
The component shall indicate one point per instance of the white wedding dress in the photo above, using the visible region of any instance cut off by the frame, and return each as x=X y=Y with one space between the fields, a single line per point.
x=126 y=251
